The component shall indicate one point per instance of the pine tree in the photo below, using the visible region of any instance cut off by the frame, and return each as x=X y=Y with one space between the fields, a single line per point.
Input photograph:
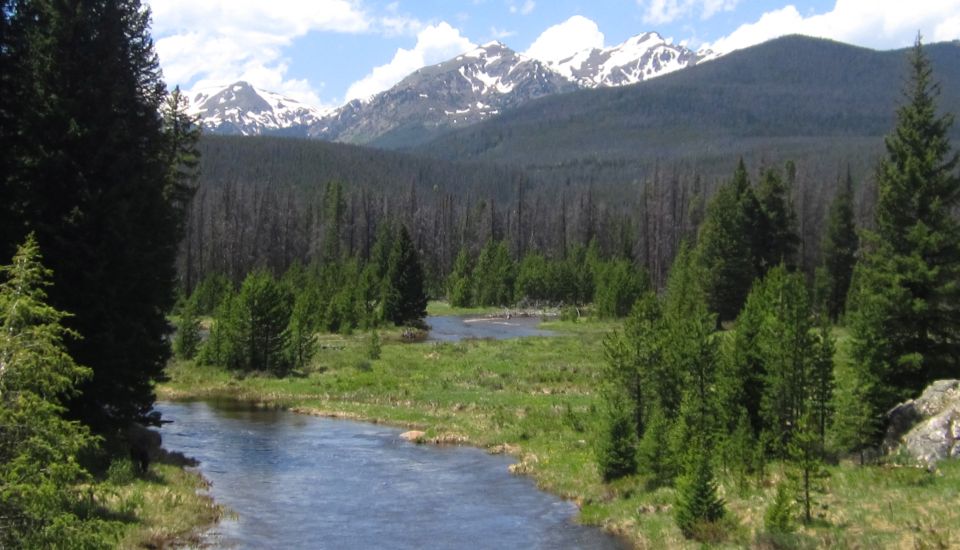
x=617 y=451
x=778 y=518
x=840 y=245
x=92 y=177
x=697 y=499
x=806 y=453
x=302 y=327
x=186 y=342
x=653 y=451
x=726 y=247
x=404 y=300
x=788 y=349
x=255 y=325
x=618 y=286
x=740 y=376
x=777 y=240
x=40 y=475
x=906 y=319
x=459 y=284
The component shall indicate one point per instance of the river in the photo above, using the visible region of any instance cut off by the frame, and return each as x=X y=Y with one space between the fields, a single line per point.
x=298 y=481
x=452 y=328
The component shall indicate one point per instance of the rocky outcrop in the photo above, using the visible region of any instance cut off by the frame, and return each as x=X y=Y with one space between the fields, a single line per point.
x=927 y=428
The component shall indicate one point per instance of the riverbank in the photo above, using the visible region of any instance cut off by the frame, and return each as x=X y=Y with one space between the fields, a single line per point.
x=535 y=398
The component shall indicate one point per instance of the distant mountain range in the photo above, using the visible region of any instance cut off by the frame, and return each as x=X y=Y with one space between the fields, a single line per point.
x=800 y=98
x=464 y=90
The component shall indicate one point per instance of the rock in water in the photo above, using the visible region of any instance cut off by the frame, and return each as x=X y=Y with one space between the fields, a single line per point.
x=927 y=428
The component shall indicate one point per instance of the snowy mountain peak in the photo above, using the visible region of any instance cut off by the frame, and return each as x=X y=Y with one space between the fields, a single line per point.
x=240 y=108
x=641 y=57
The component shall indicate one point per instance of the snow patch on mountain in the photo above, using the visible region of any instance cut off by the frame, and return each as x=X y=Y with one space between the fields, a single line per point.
x=242 y=109
x=639 y=58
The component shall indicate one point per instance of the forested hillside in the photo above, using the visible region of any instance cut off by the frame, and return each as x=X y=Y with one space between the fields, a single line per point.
x=795 y=97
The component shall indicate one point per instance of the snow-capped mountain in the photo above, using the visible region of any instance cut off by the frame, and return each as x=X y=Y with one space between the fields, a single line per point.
x=243 y=109
x=639 y=58
x=466 y=89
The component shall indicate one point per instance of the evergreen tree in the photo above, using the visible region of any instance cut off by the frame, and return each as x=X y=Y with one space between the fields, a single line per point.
x=617 y=451
x=778 y=518
x=91 y=176
x=777 y=240
x=906 y=321
x=533 y=278
x=302 y=328
x=618 y=286
x=697 y=500
x=740 y=376
x=256 y=325
x=459 y=284
x=404 y=301
x=186 y=342
x=806 y=452
x=788 y=349
x=653 y=451
x=840 y=245
x=40 y=475
x=494 y=275
x=726 y=247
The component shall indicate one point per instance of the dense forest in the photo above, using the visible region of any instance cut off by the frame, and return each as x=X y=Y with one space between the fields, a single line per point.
x=272 y=202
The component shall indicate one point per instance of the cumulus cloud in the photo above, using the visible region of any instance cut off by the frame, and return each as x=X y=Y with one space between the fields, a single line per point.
x=880 y=24
x=565 y=39
x=435 y=43
x=659 y=12
x=204 y=43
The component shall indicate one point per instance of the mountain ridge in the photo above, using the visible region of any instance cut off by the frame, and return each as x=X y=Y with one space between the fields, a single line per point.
x=463 y=90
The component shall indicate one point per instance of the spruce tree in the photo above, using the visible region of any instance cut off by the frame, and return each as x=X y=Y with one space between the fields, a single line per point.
x=40 y=474
x=186 y=342
x=405 y=302
x=906 y=321
x=840 y=245
x=776 y=242
x=617 y=450
x=726 y=247
x=459 y=283
x=92 y=178
x=697 y=500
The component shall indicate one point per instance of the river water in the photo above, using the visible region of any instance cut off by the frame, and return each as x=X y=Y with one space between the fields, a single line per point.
x=452 y=328
x=297 y=481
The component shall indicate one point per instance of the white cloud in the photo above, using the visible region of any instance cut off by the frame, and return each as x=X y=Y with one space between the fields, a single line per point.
x=881 y=24
x=565 y=39
x=659 y=12
x=435 y=43
x=501 y=34
x=525 y=9
x=204 y=43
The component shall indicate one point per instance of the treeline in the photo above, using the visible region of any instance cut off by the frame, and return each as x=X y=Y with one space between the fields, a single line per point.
x=685 y=398
x=270 y=325
x=242 y=219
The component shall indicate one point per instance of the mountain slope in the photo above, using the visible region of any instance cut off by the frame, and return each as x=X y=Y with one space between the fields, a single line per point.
x=459 y=92
x=794 y=94
x=241 y=109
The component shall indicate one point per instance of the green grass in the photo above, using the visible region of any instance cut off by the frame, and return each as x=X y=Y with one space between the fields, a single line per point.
x=436 y=307
x=536 y=398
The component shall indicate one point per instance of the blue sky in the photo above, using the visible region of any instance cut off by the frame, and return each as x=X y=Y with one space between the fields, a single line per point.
x=327 y=51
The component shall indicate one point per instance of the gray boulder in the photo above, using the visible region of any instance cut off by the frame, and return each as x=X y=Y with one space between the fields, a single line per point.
x=927 y=428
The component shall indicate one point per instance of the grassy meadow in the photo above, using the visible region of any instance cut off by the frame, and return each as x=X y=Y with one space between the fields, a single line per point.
x=537 y=399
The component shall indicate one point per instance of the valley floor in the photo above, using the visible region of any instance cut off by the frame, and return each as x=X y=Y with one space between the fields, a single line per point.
x=535 y=398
